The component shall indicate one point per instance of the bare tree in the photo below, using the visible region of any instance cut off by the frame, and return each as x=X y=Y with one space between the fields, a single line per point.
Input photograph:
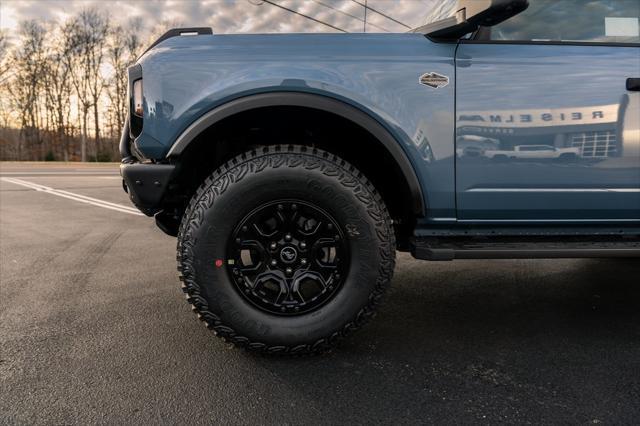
x=72 y=47
x=4 y=81
x=123 y=48
x=57 y=87
x=4 y=49
x=96 y=27
x=85 y=39
x=27 y=64
x=63 y=86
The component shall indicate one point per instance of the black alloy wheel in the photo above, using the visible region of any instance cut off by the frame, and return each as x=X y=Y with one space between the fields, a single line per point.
x=288 y=257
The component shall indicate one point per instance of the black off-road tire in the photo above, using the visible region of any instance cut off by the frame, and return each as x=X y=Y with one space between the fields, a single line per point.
x=261 y=176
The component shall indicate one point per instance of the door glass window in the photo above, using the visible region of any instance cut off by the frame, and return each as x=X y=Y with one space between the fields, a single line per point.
x=606 y=21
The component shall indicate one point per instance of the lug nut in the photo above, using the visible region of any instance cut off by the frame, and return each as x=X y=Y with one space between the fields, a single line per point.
x=289 y=271
x=303 y=245
x=303 y=261
x=280 y=207
x=329 y=226
x=287 y=237
x=274 y=262
x=273 y=246
x=244 y=228
x=294 y=207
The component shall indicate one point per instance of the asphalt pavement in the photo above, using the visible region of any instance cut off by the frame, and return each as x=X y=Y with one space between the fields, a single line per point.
x=94 y=329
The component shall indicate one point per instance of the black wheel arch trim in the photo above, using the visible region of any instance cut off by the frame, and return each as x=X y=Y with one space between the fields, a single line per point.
x=314 y=101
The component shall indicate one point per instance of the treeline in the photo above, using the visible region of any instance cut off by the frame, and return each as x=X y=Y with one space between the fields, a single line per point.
x=63 y=87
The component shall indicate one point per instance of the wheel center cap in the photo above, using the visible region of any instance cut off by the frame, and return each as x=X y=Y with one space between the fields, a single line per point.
x=288 y=254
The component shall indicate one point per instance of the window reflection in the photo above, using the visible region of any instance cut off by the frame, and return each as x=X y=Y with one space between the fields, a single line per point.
x=571 y=20
x=562 y=134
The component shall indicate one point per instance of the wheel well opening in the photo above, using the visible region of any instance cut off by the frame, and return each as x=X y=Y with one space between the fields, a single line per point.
x=301 y=126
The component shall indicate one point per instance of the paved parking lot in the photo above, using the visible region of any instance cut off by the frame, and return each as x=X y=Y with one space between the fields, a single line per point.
x=94 y=329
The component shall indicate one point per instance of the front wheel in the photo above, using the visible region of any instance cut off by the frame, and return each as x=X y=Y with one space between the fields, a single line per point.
x=286 y=249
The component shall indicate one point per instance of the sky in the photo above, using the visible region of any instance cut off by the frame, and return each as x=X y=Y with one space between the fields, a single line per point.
x=232 y=16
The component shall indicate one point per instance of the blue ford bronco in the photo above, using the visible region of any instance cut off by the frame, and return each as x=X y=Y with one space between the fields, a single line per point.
x=291 y=167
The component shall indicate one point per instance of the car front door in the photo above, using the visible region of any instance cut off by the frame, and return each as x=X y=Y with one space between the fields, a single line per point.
x=555 y=75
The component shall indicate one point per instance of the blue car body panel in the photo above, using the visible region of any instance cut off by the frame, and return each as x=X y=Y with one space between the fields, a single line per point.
x=547 y=132
x=186 y=77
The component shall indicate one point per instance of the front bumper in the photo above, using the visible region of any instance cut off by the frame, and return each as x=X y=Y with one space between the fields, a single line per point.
x=146 y=184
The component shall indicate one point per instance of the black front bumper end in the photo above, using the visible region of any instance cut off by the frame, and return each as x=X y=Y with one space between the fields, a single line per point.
x=146 y=183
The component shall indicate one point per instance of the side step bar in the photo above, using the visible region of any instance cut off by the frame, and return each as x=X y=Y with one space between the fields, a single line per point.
x=449 y=248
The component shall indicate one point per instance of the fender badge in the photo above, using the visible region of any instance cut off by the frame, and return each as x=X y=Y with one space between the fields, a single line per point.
x=434 y=80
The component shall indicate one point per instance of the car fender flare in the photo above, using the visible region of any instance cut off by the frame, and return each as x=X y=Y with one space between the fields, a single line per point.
x=315 y=101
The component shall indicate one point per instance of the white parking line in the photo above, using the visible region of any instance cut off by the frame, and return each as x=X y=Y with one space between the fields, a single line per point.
x=73 y=196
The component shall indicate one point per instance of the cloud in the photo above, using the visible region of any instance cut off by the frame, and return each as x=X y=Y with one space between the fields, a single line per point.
x=231 y=16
